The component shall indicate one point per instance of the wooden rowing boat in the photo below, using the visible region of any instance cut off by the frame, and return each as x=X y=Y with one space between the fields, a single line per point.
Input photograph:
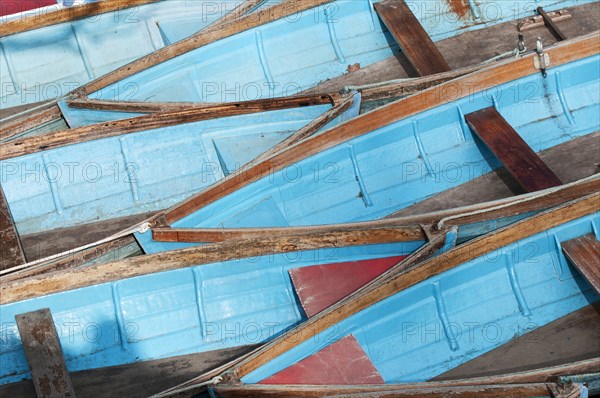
x=401 y=154
x=410 y=327
x=142 y=164
x=214 y=88
x=216 y=299
x=47 y=53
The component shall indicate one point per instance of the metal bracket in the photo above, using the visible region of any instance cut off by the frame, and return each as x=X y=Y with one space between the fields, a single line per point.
x=542 y=60
x=537 y=21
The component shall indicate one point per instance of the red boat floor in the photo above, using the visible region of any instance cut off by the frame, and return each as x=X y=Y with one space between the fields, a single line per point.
x=341 y=363
x=8 y=7
x=320 y=286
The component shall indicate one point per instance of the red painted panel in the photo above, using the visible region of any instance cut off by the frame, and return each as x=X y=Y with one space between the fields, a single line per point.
x=320 y=286
x=341 y=363
x=8 y=7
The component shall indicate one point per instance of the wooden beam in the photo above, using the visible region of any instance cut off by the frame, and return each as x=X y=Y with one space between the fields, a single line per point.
x=54 y=282
x=458 y=216
x=13 y=126
x=542 y=375
x=11 y=254
x=377 y=292
x=44 y=355
x=43 y=19
x=403 y=233
x=584 y=254
x=495 y=75
x=113 y=128
x=311 y=128
x=73 y=260
x=259 y=105
x=551 y=25
x=517 y=157
x=237 y=13
x=293 y=391
x=255 y=19
x=411 y=37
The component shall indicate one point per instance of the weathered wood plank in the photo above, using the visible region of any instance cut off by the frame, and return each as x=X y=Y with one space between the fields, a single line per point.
x=514 y=153
x=259 y=105
x=376 y=292
x=44 y=354
x=478 y=391
x=139 y=379
x=551 y=25
x=17 y=125
x=584 y=254
x=106 y=252
x=39 y=20
x=11 y=252
x=40 y=285
x=152 y=121
x=411 y=37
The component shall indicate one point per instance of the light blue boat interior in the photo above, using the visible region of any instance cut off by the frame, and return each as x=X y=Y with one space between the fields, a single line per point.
x=295 y=53
x=203 y=308
x=446 y=320
x=49 y=62
x=144 y=171
x=393 y=167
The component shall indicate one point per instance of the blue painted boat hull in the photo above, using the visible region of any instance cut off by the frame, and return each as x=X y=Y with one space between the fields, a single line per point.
x=141 y=172
x=295 y=53
x=198 y=309
x=47 y=63
x=449 y=319
x=396 y=166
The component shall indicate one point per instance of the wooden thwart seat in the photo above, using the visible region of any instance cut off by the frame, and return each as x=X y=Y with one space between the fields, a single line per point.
x=11 y=253
x=411 y=37
x=514 y=153
x=44 y=354
x=551 y=25
x=584 y=254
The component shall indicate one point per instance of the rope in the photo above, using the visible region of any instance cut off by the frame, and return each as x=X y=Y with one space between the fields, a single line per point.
x=516 y=53
x=214 y=381
x=546 y=192
x=138 y=228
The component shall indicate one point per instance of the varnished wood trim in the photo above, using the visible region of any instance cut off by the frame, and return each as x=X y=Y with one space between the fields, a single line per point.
x=156 y=120
x=502 y=73
x=429 y=268
x=542 y=375
x=460 y=216
x=236 y=13
x=40 y=20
